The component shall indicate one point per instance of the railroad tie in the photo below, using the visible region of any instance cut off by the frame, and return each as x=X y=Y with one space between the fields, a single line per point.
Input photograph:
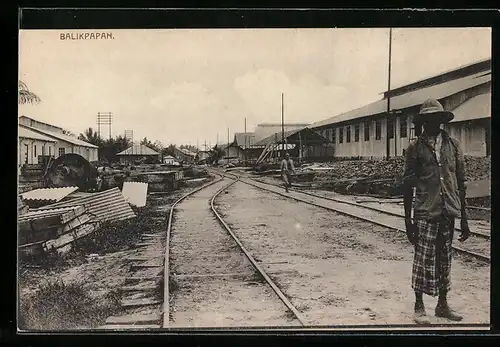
x=134 y=319
x=130 y=327
x=147 y=265
x=143 y=278
x=144 y=244
x=153 y=235
x=143 y=258
x=138 y=288
x=179 y=276
x=140 y=302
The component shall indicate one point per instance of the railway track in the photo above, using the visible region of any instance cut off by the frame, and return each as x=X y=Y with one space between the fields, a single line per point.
x=197 y=244
x=370 y=214
x=473 y=233
x=249 y=273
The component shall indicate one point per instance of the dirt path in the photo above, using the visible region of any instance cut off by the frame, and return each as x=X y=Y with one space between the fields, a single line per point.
x=200 y=246
x=474 y=244
x=342 y=271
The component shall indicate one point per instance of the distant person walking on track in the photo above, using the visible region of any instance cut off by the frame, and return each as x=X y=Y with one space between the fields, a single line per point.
x=435 y=168
x=287 y=169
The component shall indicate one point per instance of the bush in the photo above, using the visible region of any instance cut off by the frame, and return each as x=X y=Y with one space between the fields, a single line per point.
x=56 y=305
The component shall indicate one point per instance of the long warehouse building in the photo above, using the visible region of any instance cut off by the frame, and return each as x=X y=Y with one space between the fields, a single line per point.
x=466 y=91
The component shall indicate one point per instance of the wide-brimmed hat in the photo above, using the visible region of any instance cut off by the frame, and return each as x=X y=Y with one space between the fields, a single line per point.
x=432 y=109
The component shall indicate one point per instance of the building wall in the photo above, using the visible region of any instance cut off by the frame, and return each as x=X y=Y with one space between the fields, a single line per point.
x=233 y=152
x=29 y=150
x=371 y=147
x=63 y=147
x=472 y=134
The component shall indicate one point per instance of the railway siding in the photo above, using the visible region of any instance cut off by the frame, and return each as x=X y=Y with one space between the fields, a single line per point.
x=212 y=283
x=338 y=270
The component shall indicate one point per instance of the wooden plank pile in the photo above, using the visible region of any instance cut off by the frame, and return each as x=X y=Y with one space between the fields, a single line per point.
x=41 y=231
x=158 y=181
x=58 y=225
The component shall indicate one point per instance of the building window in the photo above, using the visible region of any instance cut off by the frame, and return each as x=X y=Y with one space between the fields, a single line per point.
x=50 y=151
x=341 y=135
x=334 y=135
x=378 y=130
x=26 y=154
x=367 y=131
x=390 y=128
x=403 y=127
x=348 y=133
x=356 y=133
x=34 y=151
x=329 y=134
x=62 y=151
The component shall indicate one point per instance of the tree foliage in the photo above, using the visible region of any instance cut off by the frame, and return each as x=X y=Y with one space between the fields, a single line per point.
x=91 y=136
x=215 y=154
x=68 y=132
x=108 y=149
x=189 y=148
x=25 y=95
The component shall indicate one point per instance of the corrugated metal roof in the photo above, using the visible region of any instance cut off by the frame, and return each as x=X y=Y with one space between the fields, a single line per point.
x=60 y=136
x=139 y=150
x=475 y=108
x=242 y=139
x=37 y=214
x=272 y=138
x=108 y=205
x=48 y=194
x=29 y=134
x=410 y=99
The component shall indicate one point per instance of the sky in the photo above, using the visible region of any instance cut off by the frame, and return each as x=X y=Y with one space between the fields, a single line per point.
x=189 y=86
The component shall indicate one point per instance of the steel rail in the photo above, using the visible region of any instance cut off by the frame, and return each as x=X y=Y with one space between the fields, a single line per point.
x=166 y=294
x=457 y=249
x=475 y=233
x=261 y=271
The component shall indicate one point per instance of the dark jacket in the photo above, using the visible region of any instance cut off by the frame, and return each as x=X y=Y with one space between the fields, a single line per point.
x=437 y=186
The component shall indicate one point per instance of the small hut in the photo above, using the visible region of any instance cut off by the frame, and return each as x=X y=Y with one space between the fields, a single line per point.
x=139 y=154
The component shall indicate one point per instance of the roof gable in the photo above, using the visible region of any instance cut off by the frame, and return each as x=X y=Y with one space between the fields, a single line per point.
x=26 y=133
x=138 y=150
x=307 y=136
x=62 y=137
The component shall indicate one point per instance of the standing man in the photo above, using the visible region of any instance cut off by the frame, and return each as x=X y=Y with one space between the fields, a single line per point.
x=286 y=171
x=435 y=168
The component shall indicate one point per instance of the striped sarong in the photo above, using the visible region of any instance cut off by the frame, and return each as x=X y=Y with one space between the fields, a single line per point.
x=286 y=176
x=433 y=254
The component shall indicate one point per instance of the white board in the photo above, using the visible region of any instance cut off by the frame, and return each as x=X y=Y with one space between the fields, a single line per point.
x=135 y=193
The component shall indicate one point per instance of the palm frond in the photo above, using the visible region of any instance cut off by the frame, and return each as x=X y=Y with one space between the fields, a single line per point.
x=26 y=96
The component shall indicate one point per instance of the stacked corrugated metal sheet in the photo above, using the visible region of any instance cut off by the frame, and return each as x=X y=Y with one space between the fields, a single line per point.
x=45 y=196
x=58 y=224
x=109 y=205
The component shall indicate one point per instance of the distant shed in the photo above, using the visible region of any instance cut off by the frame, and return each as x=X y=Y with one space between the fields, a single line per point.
x=137 y=153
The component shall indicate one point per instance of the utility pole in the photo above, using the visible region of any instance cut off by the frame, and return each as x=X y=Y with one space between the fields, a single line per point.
x=388 y=148
x=227 y=148
x=282 y=127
